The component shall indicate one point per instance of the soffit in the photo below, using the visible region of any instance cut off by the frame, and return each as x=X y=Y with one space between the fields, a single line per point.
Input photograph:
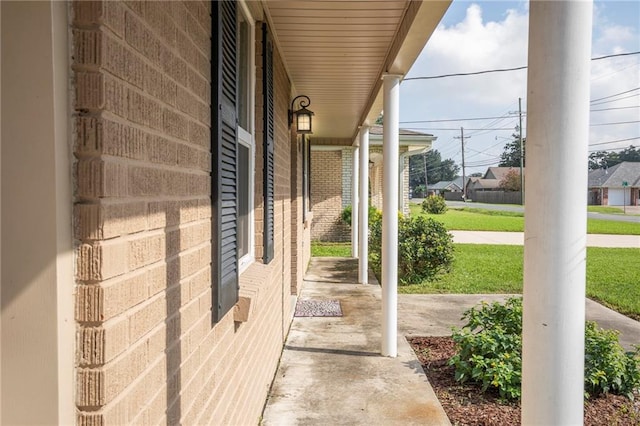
x=335 y=52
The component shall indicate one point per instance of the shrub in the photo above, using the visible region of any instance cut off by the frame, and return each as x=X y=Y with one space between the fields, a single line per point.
x=490 y=347
x=434 y=204
x=425 y=248
x=345 y=215
x=607 y=368
x=490 y=353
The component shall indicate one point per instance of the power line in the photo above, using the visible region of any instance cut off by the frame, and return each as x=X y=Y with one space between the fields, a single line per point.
x=498 y=117
x=609 y=109
x=610 y=142
x=505 y=69
x=615 y=100
x=606 y=149
x=451 y=119
x=457 y=130
x=617 y=94
x=619 y=122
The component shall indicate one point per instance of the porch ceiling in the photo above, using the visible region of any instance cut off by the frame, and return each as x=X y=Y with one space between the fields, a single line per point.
x=336 y=52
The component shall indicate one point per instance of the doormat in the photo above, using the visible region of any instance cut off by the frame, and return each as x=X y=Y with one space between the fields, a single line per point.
x=318 y=308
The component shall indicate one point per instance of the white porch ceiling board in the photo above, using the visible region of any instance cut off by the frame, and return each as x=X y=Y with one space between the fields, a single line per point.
x=335 y=52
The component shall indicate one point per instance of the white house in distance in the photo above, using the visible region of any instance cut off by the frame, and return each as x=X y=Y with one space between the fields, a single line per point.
x=618 y=185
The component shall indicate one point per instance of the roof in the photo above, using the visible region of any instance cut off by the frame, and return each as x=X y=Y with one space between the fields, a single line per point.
x=614 y=176
x=499 y=172
x=410 y=138
x=377 y=130
x=443 y=184
x=336 y=52
x=478 y=183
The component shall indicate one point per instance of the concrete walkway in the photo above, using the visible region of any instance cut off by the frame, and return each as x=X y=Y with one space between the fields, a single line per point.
x=517 y=238
x=435 y=314
x=331 y=370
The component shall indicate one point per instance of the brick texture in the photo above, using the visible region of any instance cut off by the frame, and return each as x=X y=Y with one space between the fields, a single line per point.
x=331 y=180
x=147 y=351
x=326 y=197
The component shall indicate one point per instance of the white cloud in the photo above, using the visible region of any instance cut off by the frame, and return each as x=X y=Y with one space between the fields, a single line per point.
x=476 y=44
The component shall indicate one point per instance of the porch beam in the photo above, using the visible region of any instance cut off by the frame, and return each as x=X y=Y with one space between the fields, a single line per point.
x=555 y=229
x=363 y=198
x=390 y=154
x=354 y=202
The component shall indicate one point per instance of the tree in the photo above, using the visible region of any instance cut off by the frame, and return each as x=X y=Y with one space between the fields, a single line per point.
x=606 y=159
x=476 y=174
x=437 y=169
x=510 y=157
x=510 y=181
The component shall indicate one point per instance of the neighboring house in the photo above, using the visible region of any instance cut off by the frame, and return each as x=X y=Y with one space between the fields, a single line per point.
x=615 y=186
x=155 y=198
x=490 y=182
x=332 y=174
x=443 y=186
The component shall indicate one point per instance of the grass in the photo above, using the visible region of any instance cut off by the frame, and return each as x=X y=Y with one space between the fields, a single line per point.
x=604 y=209
x=612 y=275
x=474 y=219
x=321 y=249
x=601 y=226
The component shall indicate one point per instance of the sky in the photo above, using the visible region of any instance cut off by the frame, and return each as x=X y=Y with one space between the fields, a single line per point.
x=484 y=35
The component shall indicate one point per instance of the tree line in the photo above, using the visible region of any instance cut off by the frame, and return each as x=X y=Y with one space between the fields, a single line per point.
x=439 y=169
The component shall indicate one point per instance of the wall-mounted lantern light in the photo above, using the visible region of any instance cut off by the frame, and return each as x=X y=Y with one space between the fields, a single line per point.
x=302 y=116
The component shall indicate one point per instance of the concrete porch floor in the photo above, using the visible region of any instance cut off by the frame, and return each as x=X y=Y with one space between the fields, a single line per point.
x=331 y=370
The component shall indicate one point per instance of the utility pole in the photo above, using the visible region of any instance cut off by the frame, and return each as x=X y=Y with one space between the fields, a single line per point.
x=521 y=154
x=464 y=175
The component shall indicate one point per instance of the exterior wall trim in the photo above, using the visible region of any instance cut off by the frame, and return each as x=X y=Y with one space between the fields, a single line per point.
x=40 y=304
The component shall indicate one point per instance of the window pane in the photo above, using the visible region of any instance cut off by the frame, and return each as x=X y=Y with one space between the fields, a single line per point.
x=243 y=200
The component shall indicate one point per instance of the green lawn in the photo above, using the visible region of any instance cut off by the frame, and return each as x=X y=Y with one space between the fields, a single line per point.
x=612 y=274
x=473 y=219
x=604 y=209
x=319 y=249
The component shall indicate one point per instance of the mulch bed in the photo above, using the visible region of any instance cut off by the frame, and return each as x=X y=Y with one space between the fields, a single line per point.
x=466 y=405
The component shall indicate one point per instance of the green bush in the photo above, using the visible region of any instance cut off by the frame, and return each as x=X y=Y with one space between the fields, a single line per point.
x=345 y=215
x=607 y=368
x=490 y=347
x=425 y=248
x=490 y=353
x=434 y=204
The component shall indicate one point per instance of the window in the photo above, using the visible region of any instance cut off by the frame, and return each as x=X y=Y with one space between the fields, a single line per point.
x=232 y=150
x=246 y=141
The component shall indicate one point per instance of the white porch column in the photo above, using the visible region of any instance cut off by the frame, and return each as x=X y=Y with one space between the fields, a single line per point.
x=363 y=211
x=555 y=229
x=354 y=203
x=390 y=153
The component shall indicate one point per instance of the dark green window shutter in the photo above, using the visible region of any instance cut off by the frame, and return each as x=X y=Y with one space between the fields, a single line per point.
x=269 y=157
x=224 y=136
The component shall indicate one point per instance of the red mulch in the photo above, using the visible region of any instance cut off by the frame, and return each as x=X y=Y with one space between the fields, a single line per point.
x=466 y=405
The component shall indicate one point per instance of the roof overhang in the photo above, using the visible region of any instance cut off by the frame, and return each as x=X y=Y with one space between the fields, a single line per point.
x=336 y=52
